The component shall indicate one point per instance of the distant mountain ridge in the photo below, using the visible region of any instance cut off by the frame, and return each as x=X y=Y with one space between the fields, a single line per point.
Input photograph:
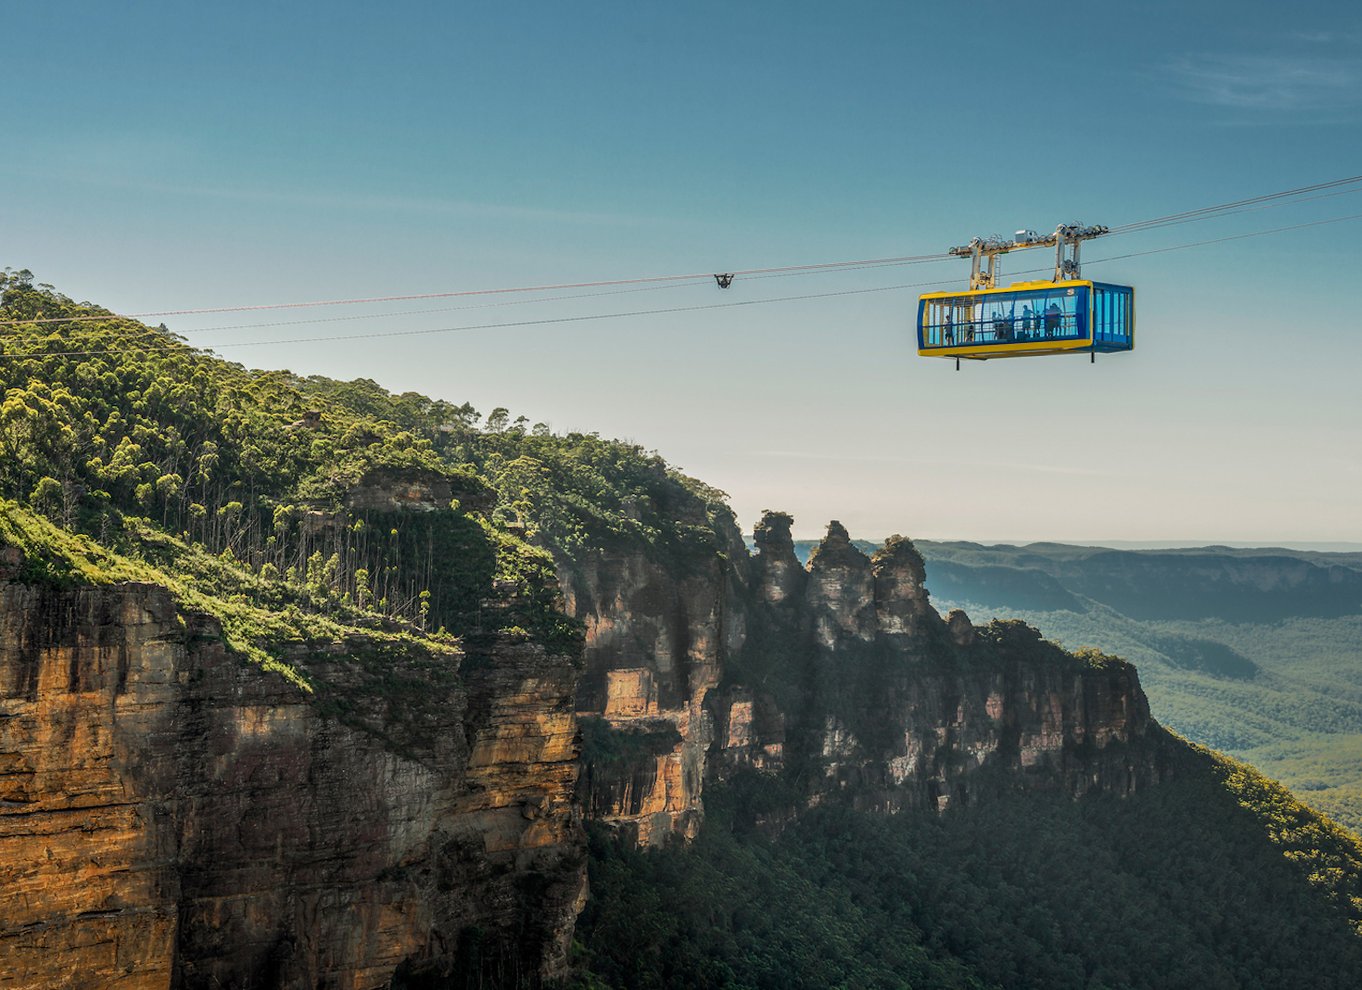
x=1230 y=583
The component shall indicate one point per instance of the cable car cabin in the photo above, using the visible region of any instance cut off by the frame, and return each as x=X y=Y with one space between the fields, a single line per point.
x=1026 y=319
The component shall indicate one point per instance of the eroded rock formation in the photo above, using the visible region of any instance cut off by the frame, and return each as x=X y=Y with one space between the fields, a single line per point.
x=844 y=672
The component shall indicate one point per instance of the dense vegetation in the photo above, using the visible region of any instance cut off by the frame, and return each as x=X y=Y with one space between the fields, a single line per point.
x=250 y=491
x=1218 y=878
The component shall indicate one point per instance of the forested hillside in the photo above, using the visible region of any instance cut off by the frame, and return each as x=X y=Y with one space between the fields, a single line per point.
x=310 y=497
x=377 y=774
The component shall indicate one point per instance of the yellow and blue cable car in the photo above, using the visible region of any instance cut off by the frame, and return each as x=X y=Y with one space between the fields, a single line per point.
x=1027 y=319
x=1067 y=314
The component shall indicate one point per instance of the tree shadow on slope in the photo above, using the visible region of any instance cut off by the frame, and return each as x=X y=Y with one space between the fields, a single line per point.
x=1206 y=655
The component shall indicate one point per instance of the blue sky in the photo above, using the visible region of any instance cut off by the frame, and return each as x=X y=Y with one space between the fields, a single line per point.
x=167 y=156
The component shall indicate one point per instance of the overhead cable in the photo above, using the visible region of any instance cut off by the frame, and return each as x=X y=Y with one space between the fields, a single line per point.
x=706 y=276
x=312 y=321
x=1196 y=244
x=494 y=326
x=1221 y=240
x=547 y=321
x=1206 y=211
x=648 y=283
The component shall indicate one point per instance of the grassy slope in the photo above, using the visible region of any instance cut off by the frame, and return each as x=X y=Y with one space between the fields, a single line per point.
x=390 y=675
x=259 y=619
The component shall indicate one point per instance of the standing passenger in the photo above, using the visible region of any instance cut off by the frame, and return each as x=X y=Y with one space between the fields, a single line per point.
x=1052 y=316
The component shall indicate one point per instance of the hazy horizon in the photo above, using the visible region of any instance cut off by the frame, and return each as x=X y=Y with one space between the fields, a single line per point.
x=1302 y=545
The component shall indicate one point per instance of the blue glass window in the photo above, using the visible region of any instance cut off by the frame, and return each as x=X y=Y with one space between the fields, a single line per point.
x=1114 y=315
x=981 y=319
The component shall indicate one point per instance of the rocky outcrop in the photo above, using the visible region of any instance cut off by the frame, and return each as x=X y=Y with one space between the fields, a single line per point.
x=1005 y=712
x=841 y=590
x=389 y=489
x=392 y=490
x=172 y=815
x=843 y=672
x=901 y=605
x=779 y=577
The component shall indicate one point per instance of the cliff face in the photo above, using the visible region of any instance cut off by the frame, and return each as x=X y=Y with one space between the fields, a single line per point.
x=657 y=634
x=842 y=672
x=171 y=815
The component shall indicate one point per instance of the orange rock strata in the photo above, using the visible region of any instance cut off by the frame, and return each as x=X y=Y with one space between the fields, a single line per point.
x=171 y=815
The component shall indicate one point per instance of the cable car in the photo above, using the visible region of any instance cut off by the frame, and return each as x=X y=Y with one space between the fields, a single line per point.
x=1065 y=314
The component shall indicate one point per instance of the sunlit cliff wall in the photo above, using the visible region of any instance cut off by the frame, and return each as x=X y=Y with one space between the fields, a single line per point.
x=171 y=815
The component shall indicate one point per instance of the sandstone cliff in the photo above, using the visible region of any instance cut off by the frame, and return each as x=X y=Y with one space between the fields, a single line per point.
x=171 y=815
x=658 y=633
x=841 y=677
